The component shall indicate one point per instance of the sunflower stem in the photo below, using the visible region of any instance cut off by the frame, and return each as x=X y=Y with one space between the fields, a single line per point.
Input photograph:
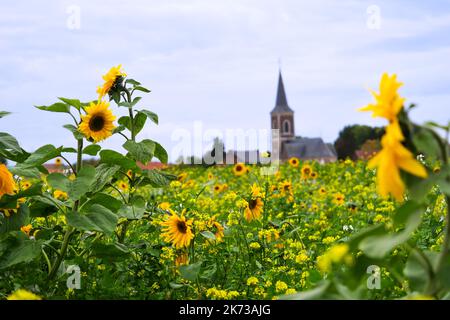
x=70 y=230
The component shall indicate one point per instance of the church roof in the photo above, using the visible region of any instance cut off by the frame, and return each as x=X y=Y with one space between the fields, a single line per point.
x=281 y=104
x=308 y=148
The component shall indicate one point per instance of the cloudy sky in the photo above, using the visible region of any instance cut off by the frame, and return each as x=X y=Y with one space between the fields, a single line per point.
x=216 y=61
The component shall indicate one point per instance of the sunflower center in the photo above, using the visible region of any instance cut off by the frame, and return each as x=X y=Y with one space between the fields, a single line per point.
x=181 y=226
x=238 y=168
x=97 y=123
x=252 y=204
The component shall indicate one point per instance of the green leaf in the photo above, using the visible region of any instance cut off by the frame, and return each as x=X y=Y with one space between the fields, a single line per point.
x=378 y=247
x=15 y=220
x=27 y=172
x=10 y=149
x=417 y=269
x=4 y=114
x=161 y=153
x=41 y=155
x=141 y=88
x=92 y=149
x=132 y=82
x=103 y=175
x=190 y=272
x=426 y=143
x=104 y=200
x=135 y=101
x=56 y=107
x=76 y=188
x=19 y=249
x=134 y=211
x=96 y=218
x=156 y=178
x=141 y=151
x=110 y=251
x=77 y=134
x=72 y=102
x=115 y=158
x=125 y=122
x=43 y=206
x=10 y=201
x=317 y=293
x=139 y=122
x=208 y=235
x=151 y=115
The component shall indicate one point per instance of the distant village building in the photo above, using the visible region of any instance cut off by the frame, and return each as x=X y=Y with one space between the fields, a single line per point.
x=282 y=118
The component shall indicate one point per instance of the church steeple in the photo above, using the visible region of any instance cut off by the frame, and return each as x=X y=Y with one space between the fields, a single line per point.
x=281 y=104
x=282 y=116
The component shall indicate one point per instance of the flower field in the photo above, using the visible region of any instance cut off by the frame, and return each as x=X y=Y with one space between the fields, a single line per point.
x=344 y=230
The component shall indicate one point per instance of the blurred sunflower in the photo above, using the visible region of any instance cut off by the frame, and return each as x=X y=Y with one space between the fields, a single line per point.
x=182 y=176
x=110 y=78
x=177 y=230
x=306 y=171
x=286 y=187
x=294 y=162
x=7 y=184
x=124 y=186
x=254 y=209
x=25 y=184
x=60 y=195
x=97 y=124
x=58 y=161
x=339 y=199
x=313 y=175
x=181 y=259
x=23 y=294
x=26 y=229
x=322 y=191
x=239 y=169
x=216 y=228
x=218 y=188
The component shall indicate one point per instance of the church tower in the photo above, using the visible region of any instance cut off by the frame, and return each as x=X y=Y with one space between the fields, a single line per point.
x=282 y=117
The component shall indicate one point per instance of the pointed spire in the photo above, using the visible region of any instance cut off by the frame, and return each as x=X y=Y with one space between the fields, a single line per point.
x=281 y=94
x=281 y=104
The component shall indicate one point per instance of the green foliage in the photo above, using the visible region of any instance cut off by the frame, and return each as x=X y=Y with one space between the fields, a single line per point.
x=351 y=138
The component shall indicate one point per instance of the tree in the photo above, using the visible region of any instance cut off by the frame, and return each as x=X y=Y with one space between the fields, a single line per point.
x=351 y=138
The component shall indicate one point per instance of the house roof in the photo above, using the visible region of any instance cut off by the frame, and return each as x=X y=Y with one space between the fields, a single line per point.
x=281 y=105
x=308 y=148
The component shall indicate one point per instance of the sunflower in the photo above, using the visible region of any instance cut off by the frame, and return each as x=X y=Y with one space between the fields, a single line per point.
x=58 y=161
x=23 y=294
x=338 y=199
x=61 y=195
x=25 y=184
x=306 y=171
x=322 y=191
x=8 y=212
x=97 y=124
x=164 y=206
x=294 y=162
x=181 y=259
x=7 y=184
x=110 y=79
x=286 y=187
x=218 y=188
x=239 y=169
x=123 y=186
x=26 y=229
x=182 y=176
x=254 y=209
x=313 y=175
x=216 y=228
x=210 y=176
x=177 y=229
